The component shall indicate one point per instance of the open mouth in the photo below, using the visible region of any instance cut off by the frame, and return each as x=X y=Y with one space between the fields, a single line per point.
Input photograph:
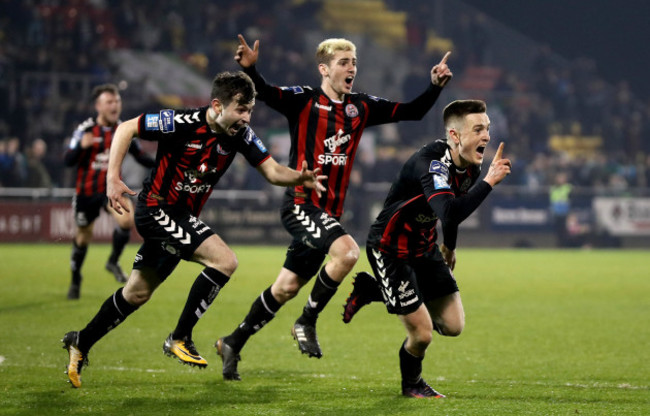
x=480 y=150
x=349 y=80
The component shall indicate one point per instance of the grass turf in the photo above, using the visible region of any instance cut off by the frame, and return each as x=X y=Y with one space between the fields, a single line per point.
x=548 y=333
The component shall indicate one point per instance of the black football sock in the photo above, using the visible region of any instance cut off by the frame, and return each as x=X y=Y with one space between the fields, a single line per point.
x=205 y=289
x=120 y=240
x=76 y=261
x=262 y=311
x=410 y=366
x=113 y=312
x=324 y=289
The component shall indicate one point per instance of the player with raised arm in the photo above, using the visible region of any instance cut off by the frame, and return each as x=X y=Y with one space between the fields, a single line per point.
x=414 y=274
x=195 y=148
x=325 y=125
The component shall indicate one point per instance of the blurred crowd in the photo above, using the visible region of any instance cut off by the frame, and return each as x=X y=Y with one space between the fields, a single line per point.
x=555 y=116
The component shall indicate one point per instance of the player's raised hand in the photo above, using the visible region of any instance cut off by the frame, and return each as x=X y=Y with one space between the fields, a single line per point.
x=312 y=179
x=499 y=168
x=115 y=190
x=441 y=74
x=245 y=56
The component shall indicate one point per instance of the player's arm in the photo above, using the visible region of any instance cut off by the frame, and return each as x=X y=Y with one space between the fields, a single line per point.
x=277 y=174
x=115 y=187
x=81 y=140
x=284 y=100
x=452 y=210
x=246 y=57
x=418 y=107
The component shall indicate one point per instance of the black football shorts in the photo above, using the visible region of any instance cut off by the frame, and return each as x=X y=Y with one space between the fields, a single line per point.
x=169 y=235
x=406 y=284
x=313 y=232
x=87 y=208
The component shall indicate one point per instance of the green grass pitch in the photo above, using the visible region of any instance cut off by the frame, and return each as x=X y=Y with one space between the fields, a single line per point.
x=548 y=333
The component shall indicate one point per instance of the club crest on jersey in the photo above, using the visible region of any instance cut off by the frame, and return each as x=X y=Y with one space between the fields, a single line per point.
x=351 y=111
x=166 y=121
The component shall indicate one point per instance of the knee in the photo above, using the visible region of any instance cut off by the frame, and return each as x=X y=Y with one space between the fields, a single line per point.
x=419 y=341
x=136 y=297
x=285 y=291
x=226 y=264
x=230 y=264
x=451 y=329
x=348 y=258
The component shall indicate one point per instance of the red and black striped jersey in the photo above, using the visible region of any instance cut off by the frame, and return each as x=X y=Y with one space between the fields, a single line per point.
x=326 y=133
x=191 y=158
x=429 y=187
x=92 y=162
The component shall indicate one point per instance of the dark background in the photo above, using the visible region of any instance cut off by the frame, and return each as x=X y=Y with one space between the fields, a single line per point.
x=614 y=33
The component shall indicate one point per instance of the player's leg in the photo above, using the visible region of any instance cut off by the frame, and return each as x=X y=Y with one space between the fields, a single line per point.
x=262 y=311
x=403 y=297
x=115 y=309
x=220 y=263
x=344 y=253
x=86 y=210
x=80 y=242
x=121 y=236
x=442 y=296
x=419 y=328
x=447 y=314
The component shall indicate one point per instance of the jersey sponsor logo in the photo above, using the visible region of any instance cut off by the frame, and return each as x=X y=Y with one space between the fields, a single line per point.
x=101 y=161
x=323 y=107
x=151 y=122
x=166 y=122
x=440 y=182
x=193 y=188
x=337 y=140
x=259 y=144
x=336 y=159
x=295 y=89
x=423 y=219
x=438 y=167
x=198 y=146
x=351 y=111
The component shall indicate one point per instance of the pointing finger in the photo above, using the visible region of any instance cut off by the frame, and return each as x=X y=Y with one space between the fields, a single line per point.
x=242 y=41
x=444 y=58
x=499 y=153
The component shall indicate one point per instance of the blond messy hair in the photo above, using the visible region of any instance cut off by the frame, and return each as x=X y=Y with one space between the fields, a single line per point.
x=327 y=48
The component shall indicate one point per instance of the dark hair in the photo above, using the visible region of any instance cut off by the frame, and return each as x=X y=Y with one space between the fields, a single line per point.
x=461 y=108
x=229 y=85
x=100 y=89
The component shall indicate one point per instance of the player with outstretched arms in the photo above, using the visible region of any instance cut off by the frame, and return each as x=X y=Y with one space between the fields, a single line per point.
x=325 y=125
